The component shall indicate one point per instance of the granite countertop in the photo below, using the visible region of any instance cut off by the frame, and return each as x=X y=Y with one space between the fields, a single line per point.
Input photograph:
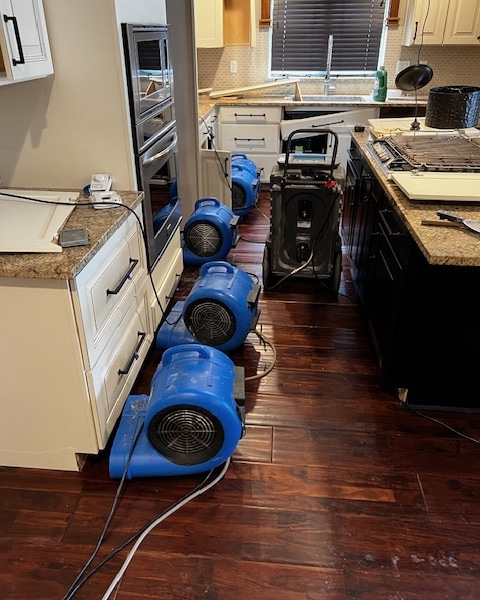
x=101 y=224
x=439 y=245
x=206 y=104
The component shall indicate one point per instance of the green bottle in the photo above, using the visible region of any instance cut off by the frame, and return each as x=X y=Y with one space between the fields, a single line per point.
x=379 y=93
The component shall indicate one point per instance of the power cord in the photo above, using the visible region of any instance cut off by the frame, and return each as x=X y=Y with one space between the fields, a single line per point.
x=79 y=583
x=74 y=587
x=156 y=522
x=429 y=418
x=267 y=342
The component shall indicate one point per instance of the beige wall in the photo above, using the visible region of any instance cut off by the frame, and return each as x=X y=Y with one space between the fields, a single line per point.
x=58 y=130
x=452 y=65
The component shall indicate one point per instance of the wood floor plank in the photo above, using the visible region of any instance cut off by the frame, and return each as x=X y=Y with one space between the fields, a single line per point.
x=336 y=492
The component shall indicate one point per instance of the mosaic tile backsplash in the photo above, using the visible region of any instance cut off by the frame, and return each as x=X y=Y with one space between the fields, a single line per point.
x=452 y=65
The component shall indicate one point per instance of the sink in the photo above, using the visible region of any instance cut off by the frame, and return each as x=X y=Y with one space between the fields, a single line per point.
x=333 y=99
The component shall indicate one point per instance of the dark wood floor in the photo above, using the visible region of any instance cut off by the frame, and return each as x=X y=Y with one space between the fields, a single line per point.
x=336 y=492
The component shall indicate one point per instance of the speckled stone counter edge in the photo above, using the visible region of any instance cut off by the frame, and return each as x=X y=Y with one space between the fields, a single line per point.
x=101 y=225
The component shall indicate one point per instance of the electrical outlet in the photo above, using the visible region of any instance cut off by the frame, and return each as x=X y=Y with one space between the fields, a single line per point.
x=233 y=66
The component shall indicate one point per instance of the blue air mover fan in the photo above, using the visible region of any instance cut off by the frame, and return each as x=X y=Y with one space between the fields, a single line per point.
x=238 y=158
x=191 y=422
x=245 y=184
x=210 y=232
x=220 y=310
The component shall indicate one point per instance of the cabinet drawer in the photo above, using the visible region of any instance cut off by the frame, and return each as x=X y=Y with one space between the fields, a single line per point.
x=250 y=138
x=115 y=372
x=265 y=163
x=171 y=270
x=108 y=285
x=250 y=114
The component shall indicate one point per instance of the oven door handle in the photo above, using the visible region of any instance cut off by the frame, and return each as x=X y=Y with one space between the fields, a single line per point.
x=162 y=153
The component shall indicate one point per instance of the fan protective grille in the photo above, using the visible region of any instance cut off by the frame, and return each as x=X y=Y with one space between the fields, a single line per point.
x=186 y=434
x=203 y=238
x=211 y=322
x=239 y=197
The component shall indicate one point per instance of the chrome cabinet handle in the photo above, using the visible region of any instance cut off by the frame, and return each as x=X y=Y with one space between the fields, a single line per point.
x=21 y=60
x=133 y=264
x=134 y=357
x=161 y=154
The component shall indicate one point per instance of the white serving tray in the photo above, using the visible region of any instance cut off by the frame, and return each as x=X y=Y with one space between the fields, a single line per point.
x=29 y=226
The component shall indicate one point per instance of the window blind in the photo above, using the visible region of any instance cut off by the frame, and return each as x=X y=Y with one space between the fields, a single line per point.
x=301 y=29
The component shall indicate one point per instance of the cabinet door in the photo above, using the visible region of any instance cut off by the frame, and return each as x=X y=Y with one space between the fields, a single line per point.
x=24 y=40
x=209 y=23
x=463 y=22
x=417 y=30
x=217 y=176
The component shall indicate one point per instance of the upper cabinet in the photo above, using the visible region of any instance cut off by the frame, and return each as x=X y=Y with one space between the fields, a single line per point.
x=25 y=51
x=220 y=23
x=454 y=22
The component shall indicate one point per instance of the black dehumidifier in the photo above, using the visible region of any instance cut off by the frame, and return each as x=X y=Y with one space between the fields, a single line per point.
x=304 y=238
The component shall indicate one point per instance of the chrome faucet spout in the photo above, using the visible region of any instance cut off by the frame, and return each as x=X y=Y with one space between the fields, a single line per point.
x=327 y=85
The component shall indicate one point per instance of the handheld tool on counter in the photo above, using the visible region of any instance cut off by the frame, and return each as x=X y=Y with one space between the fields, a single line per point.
x=452 y=220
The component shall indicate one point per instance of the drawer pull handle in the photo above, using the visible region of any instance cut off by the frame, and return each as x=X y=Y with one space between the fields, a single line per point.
x=134 y=357
x=133 y=264
x=21 y=57
x=251 y=115
x=249 y=139
x=328 y=124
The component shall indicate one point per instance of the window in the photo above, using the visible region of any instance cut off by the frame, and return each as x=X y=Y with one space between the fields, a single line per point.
x=301 y=29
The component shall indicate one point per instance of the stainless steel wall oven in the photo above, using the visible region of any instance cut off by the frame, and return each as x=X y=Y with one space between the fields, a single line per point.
x=152 y=113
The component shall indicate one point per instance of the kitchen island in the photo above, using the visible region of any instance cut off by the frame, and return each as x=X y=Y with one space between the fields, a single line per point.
x=416 y=285
x=76 y=327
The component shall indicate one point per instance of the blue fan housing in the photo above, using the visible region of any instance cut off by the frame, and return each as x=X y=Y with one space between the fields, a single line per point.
x=245 y=188
x=192 y=420
x=210 y=232
x=238 y=158
x=220 y=310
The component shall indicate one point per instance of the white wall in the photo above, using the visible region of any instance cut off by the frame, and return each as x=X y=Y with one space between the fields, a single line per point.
x=58 y=130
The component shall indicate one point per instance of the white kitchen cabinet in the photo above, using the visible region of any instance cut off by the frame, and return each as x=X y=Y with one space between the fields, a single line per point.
x=221 y=23
x=73 y=350
x=209 y=23
x=254 y=131
x=449 y=22
x=25 y=50
x=216 y=177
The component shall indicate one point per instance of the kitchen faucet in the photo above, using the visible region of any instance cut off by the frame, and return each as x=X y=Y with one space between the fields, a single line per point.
x=327 y=85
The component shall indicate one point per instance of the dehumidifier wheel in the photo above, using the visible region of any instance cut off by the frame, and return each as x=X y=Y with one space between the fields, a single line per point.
x=269 y=279
x=334 y=279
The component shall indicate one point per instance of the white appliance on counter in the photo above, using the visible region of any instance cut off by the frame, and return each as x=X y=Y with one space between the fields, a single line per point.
x=428 y=165
x=32 y=226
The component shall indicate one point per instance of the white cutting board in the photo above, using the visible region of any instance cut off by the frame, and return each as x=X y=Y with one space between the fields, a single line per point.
x=402 y=125
x=29 y=226
x=444 y=187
